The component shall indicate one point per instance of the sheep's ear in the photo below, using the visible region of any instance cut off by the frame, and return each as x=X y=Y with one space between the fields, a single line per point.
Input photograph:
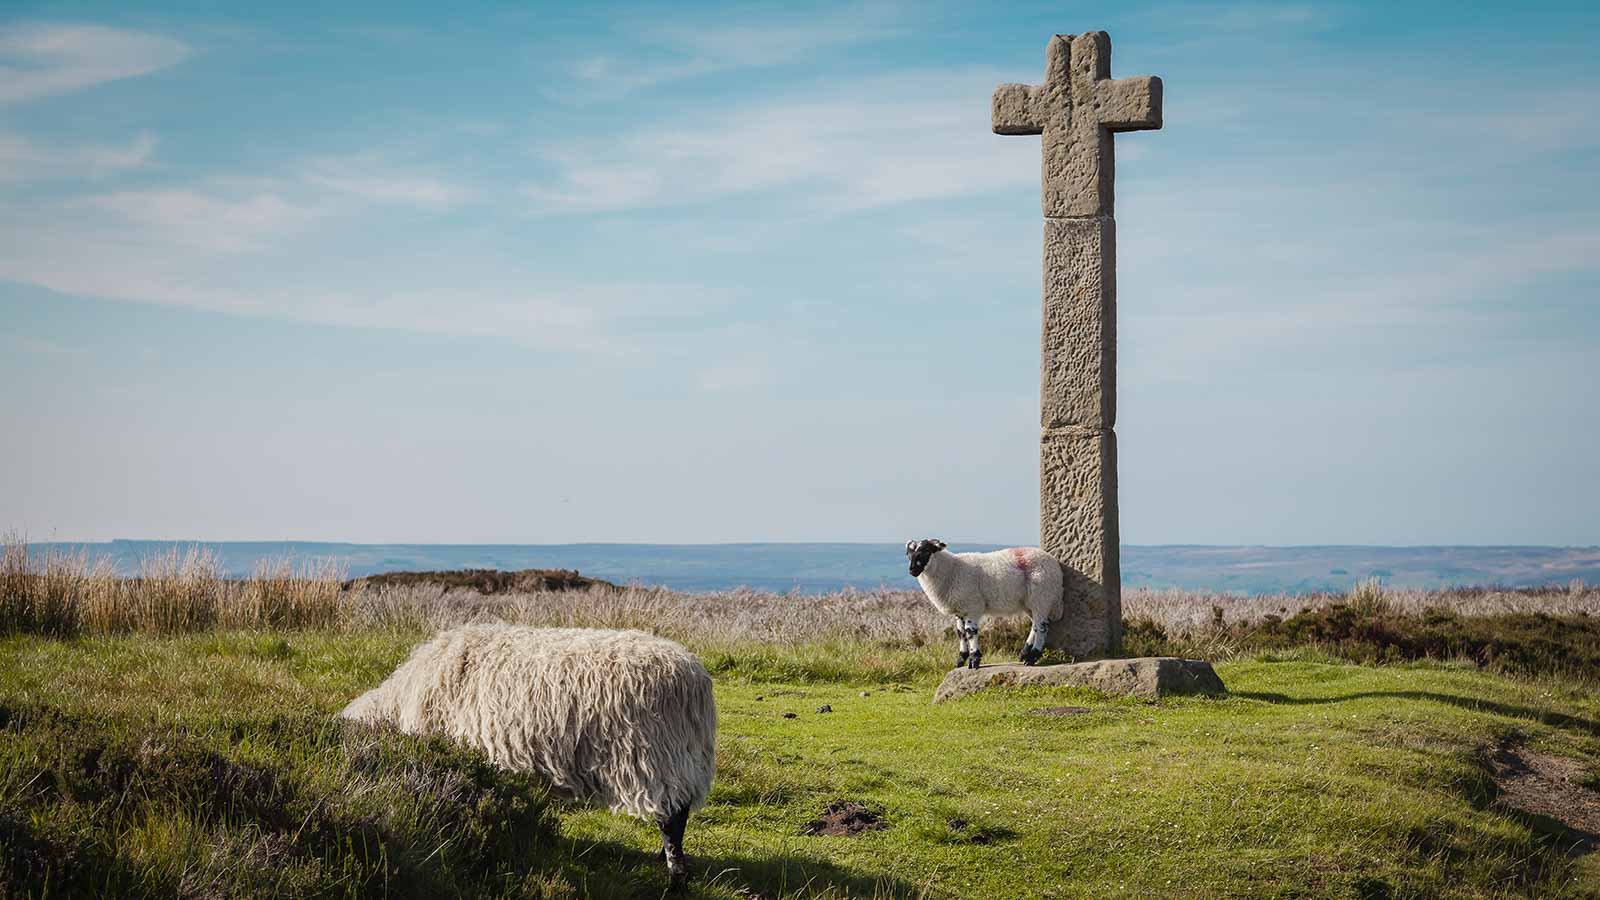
x=910 y=546
x=939 y=544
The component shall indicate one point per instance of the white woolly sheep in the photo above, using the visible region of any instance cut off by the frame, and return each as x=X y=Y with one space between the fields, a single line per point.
x=971 y=585
x=621 y=719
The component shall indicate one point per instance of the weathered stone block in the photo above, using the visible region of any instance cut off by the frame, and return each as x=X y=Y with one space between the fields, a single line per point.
x=1011 y=110
x=1075 y=110
x=1131 y=104
x=1078 y=352
x=1078 y=525
x=1151 y=677
x=1077 y=181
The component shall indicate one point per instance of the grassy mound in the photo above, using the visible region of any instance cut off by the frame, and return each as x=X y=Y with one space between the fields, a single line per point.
x=282 y=806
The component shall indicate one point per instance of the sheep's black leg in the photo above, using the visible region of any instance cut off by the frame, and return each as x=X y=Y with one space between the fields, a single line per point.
x=1034 y=648
x=672 y=846
x=961 y=636
x=970 y=629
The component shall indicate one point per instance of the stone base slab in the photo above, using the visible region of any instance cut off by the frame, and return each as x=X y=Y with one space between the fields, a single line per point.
x=1150 y=677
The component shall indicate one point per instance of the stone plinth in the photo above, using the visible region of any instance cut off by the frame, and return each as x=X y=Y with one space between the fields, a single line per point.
x=1149 y=677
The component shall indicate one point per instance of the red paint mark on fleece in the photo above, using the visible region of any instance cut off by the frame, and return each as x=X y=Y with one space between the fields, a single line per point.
x=1021 y=557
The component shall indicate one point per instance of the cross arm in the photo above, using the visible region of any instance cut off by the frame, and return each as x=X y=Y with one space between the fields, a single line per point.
x=1128 y=104
x=1012 y=110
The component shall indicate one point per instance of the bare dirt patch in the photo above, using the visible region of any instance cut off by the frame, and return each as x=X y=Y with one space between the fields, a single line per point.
x=1542 y=784
x=845 y=818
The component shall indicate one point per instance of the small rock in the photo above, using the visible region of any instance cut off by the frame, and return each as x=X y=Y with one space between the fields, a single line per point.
x=824 y=708
x=866 y=693
x=790 y=716
x=759 y=698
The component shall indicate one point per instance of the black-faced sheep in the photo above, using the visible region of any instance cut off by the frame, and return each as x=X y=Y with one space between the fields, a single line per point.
x=620 y=719
x=972 y=585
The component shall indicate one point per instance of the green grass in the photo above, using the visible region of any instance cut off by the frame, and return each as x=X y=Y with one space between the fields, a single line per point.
x=1311 y=778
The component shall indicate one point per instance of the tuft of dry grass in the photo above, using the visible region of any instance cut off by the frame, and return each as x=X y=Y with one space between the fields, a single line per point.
x=63 y=594
x=46 y=595
x=282 y=594
x=173 y=593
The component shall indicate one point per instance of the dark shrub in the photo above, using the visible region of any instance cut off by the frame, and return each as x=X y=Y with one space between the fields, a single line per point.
x=1512 y=643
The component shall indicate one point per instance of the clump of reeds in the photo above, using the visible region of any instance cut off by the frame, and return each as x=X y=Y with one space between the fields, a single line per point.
x=45 y=593
x=1368 y=599
x=282 y=594
x=174 y=592
x=61 y=593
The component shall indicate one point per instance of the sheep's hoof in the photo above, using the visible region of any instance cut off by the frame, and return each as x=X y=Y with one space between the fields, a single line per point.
x=961 y=659
x=973 y=662
x=1030 y=655
x=677 y=880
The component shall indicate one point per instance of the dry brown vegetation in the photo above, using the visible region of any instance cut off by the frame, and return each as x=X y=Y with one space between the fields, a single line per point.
x=64 y=594
x=1185 y=612
x=1525 y=630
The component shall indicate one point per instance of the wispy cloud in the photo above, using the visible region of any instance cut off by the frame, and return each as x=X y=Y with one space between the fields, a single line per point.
x=671 y=52
x=246 y=247
x=372 y=180
x=25 y=159
x=1244 y=17
x=1385 y=304
x=912 y=136
x=42 y=60
x=208 y=220
x=33 y=345
x=739 y=370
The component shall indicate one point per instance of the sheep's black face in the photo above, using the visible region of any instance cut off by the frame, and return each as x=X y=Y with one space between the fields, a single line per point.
x=920 y=551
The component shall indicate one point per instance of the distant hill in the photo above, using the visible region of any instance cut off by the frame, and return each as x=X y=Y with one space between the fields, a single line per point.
x=485 y=581
x=822 y=567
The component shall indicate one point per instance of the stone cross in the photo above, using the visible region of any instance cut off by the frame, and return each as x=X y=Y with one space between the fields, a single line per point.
x=1076 y=110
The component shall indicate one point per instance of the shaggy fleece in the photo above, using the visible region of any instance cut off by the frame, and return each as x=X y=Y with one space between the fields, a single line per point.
x=620 y=719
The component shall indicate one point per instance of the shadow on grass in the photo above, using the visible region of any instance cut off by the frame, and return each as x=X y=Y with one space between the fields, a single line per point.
x=767 y=877
x=1543 y=716
x=1567 y=839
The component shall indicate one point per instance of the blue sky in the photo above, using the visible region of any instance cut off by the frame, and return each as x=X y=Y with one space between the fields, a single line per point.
x=761 y=272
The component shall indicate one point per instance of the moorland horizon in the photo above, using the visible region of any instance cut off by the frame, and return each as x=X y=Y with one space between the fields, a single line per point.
x=826 y=566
